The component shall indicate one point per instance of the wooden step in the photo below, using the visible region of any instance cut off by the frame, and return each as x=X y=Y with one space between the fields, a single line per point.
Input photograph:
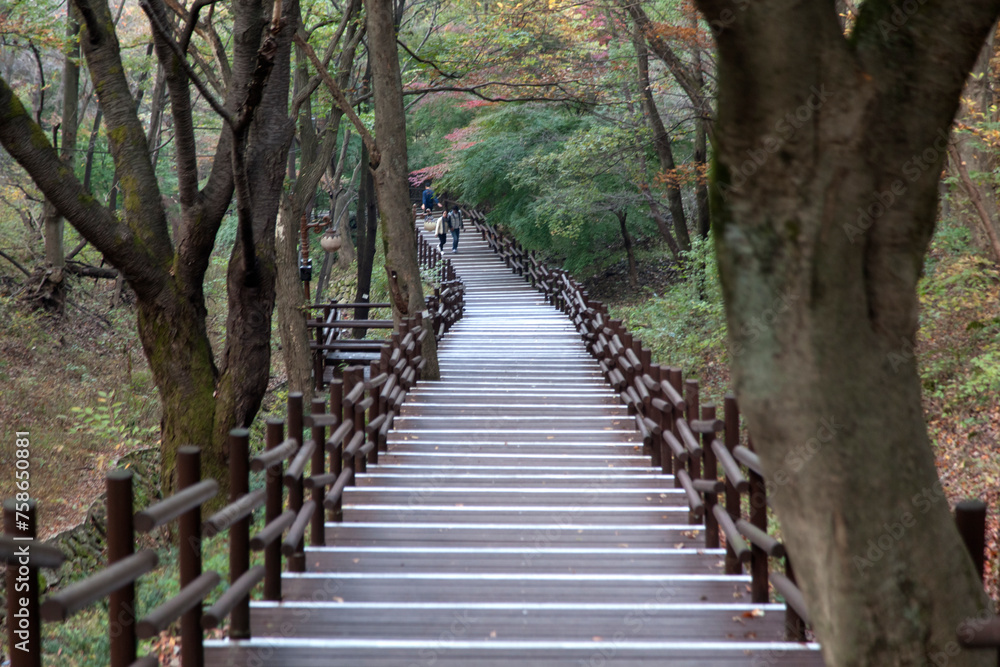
x=444 y=651
x=538 y=535
x=473 y=496
x=522 y=559
x=635 y=589
x=576 y=515
x=574 y=482
x=520 y=621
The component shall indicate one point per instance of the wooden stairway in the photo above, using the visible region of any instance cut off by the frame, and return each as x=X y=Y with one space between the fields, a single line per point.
x=514 y=521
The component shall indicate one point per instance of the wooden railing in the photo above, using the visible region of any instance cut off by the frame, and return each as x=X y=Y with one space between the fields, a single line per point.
x=351 y=429
x=444 y=308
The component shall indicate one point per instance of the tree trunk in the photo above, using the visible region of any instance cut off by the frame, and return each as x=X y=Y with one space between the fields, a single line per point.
x=702 y=126
x=291 y=302
x=987 y=218
x=661 y=143
x=52 y=221
x=367 y=221
x=391 y=185
x=976 y=102
x=251 y=278
x=828 y=153
x=633 y=272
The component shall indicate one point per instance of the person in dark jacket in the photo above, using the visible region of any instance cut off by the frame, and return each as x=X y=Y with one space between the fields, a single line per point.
x=429 y=201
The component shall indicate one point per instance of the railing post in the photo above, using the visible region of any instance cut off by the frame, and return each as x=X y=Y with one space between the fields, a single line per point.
x=337 y=451
x=732 y=439
x=711 y=473
x=657 y=453
x=189 y=556
x=22 y=526
x=297 y=561
x=272 y=510
x=970 y=517
x=795 y=627
x=383 y=366
x=673 y=375
x=758 y=557
x=317 y=536
x=121 y=544
x=373 y=413
x=691 y=398
x=352 y=376
x=239 y=532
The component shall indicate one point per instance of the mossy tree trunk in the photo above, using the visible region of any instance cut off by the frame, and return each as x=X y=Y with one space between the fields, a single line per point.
x=390 y=167
x=828 y=154
x=200 y=400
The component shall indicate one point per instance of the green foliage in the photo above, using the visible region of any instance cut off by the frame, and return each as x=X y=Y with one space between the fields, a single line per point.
x=108 y=426
x=428 y=126
x=959 y=345
x=686 y=325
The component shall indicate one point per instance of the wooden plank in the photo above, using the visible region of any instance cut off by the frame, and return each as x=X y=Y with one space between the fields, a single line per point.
x=276 y=652
x=514 y=621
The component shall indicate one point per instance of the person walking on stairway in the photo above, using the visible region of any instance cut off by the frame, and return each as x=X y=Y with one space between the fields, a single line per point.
x=428 y=201
x=455 y=224
x=441 y=229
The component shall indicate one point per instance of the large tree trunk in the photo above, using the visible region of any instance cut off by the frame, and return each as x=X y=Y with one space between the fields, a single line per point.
x=316 y=155
x=246 y=358
x=391 y=186
x=168 y=279
x=828 y=155
x=291 y=301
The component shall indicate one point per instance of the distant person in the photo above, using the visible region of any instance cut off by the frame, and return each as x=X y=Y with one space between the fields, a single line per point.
x=429 y=201
x=454 y=224
x=441 y=229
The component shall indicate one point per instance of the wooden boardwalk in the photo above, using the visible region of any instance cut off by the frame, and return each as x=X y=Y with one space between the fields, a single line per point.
x=514 y=521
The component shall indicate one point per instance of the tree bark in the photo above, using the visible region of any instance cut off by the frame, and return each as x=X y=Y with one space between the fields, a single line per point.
x=316 y=155
x=828 y=152
x=367 y=221
x=986 y=218
x=633 y=272
x=168 y=279
x=52 y=220
x=976 y=102
x=391 y=185
x=246 y=358
x=664 y=152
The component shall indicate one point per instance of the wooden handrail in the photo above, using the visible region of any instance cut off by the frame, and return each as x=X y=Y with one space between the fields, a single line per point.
x=170 y=508
x=75 y=597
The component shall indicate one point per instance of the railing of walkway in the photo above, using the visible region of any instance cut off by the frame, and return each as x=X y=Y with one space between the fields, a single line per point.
x=358 y=416
x=710 y=459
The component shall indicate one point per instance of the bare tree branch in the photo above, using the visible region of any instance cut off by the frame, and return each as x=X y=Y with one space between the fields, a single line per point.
x=341 y=100
x=14 y=262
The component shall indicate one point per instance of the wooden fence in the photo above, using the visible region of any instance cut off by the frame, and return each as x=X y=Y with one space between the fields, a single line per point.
x=349 y=431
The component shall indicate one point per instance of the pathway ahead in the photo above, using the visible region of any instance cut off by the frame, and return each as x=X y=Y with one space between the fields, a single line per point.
x=514 y=521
